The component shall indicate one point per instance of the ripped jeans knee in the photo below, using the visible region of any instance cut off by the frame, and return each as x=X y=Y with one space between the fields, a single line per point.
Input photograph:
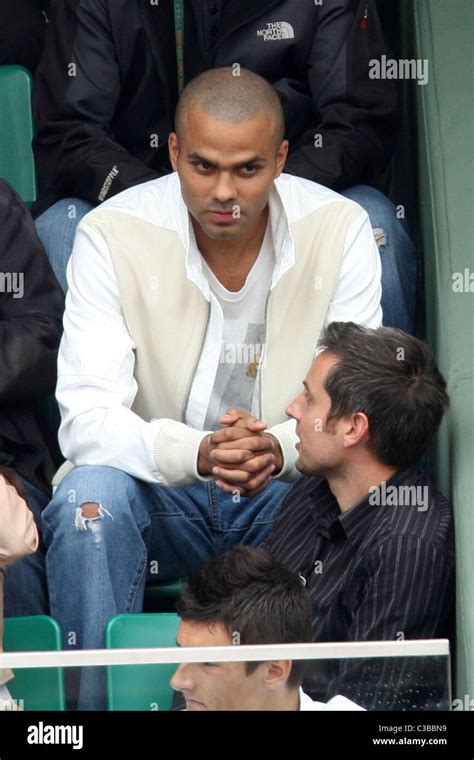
x=89 y=511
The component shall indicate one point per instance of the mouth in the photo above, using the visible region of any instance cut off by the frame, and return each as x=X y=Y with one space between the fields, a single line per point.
x=222 y=216
x=192 y=704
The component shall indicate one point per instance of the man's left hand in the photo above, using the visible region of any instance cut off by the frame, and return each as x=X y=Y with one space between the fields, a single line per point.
x=246 y=456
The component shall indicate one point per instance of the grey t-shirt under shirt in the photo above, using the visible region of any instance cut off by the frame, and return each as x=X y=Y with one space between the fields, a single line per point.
x=242 y=343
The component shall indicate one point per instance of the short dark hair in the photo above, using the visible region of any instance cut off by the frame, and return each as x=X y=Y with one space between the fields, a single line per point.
x=249 y=592
x=232 y=98
x=391 y=377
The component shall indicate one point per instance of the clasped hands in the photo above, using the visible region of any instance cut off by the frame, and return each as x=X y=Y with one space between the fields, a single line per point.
x=241 y=456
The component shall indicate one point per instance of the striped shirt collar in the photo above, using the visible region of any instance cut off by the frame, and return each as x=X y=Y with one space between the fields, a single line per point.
x=354 y=522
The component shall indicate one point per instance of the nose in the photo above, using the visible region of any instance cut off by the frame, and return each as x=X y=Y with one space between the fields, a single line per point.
x=180 y=680
x=294 y=409
x=224 y=189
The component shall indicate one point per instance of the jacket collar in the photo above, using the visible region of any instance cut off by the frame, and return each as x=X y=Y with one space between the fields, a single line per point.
x=354 y=523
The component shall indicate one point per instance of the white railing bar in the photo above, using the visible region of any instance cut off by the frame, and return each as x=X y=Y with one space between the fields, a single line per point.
x=153 y=656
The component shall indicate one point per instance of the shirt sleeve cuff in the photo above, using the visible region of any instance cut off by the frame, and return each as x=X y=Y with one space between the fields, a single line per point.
x=176 y=452
x=286 y=436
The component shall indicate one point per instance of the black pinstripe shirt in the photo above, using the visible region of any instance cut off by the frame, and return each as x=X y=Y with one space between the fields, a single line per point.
x=382 y=570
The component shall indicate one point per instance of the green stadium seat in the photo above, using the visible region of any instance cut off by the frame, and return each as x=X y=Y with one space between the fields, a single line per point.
x=160 y=597
x=35 y=688
x=140 y=687
x=16 y=132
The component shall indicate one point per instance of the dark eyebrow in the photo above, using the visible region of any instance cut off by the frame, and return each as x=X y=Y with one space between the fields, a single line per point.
x=196 y=157
x=260 y=160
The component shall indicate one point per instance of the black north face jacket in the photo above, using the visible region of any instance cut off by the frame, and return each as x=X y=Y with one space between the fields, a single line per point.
x=106 y=88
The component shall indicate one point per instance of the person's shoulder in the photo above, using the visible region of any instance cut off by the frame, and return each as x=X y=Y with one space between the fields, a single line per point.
x=15 y=220
x=146 y=201
x=413 y=509
x=343 y=703
x=302 y=197
x=8 y=199
x=338 y=703
x=290 y=186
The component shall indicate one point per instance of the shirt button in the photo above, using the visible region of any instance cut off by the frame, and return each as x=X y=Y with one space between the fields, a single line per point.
x=213 y=10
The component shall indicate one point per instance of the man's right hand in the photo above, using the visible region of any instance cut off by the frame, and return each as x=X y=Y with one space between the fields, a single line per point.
x=240 y=458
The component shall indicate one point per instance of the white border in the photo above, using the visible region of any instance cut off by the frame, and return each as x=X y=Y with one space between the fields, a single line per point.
x=154 y=656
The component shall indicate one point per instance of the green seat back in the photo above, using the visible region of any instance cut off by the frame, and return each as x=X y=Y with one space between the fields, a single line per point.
x=16 y=132
x=160 y=597
x=140 y=687
x=38 y=688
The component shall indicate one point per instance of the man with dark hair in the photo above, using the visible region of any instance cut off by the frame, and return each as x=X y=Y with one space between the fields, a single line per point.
x=184 y=295
x=371 y=536
x=245 y=597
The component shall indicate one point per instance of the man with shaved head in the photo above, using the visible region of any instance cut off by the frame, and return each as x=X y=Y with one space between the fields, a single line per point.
x=112 y=71
x=232 y=95
x=194 y=307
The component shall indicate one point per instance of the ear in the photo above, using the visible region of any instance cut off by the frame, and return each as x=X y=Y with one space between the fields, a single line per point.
x=281 y=157
x=356 y=430
x=173 y=148
x=277 y=673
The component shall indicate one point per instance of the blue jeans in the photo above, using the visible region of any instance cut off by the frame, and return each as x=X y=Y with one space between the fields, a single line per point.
x=397 y=255
x=98 y=567
x=56 y=229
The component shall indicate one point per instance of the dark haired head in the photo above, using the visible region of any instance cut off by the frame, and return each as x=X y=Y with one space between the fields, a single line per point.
x=249 y=593
x=393 y=379
x=231 y=95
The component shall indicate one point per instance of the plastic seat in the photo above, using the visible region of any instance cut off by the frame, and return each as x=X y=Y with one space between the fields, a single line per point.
x=140 y=687
x=160 y=597
x=35 y=688
x=16 y=132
